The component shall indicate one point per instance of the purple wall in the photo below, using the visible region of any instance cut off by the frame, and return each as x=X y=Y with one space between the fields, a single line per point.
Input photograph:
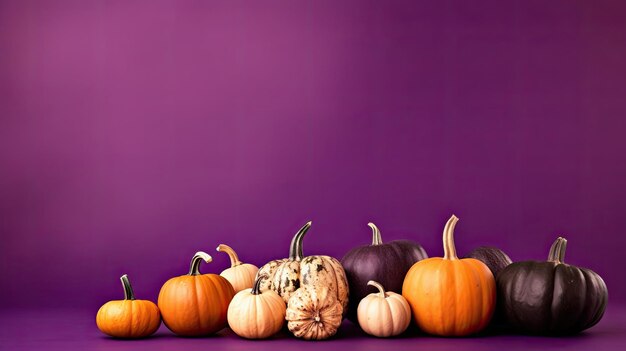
x=133 y=135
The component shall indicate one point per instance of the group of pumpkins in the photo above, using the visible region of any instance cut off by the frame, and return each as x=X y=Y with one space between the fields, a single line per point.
x=445 y=296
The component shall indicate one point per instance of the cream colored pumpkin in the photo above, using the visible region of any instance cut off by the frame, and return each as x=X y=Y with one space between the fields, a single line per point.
x=253 y=314
x=383 y=314
x=240 y=275
x=314 y=313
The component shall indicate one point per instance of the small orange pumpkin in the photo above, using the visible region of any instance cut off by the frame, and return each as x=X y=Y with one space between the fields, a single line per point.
x=450 y=296
x=128 y=318
x=195 y=304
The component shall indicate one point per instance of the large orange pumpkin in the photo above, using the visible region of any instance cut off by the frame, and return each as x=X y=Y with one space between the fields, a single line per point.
x=195 y=304
x=450 y=296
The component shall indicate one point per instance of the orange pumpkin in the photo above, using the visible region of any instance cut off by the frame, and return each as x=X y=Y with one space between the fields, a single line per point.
x=195 y=304
x=128 y=318
x=450 y=296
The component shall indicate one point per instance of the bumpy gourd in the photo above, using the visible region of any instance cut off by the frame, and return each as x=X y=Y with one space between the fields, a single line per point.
x=288 y=274
x=314 y=313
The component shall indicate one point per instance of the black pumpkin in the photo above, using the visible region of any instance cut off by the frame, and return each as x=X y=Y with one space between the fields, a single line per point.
x=492 y=257
x=384 y=263
x=551 y=297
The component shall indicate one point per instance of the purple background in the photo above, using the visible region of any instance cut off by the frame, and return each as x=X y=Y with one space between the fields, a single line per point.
x=134 y=134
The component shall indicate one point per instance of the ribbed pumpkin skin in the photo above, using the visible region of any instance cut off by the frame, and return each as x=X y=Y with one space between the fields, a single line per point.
x=384 y=316
x=551 y=297
x=450 y=297
x=128 y=318
x=241 y=277
x=528 y=291
x=256 y=316
x=286 y=276
x=314 y=313
x=194 y=305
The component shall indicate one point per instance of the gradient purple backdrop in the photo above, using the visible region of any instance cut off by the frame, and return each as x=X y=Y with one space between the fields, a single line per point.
x=132 y=136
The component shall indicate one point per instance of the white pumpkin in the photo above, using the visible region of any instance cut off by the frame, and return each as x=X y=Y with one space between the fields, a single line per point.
x=253 y=314
x=240 y=275
x=383 y=314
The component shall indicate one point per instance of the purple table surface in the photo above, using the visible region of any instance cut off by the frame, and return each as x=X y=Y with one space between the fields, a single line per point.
x=64 y=329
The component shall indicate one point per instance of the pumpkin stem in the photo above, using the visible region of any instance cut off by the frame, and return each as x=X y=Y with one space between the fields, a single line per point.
x=234 y=259
x=295 y=249
x=256 y=288
x=378 y=286
x=449 y=249
x=128 y=289
x=376 y=238
x=200 y=256
x=553 y=249
x=557 y=250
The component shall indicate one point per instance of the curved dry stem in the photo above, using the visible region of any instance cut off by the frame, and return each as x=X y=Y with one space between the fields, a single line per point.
x=379 y=286
x=449 y=249
x=376 y=238
x=234 y=259
x=557 y=250
x=128 y=289
x=256 y=287
x=295 y=249
x=200 y=256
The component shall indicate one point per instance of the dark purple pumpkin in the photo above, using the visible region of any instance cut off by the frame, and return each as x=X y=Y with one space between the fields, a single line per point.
x=496 y=260
x=383 y=263
x=492 y=257
x=551 y=297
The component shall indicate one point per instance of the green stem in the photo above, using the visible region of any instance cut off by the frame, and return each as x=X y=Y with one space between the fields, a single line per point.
x=295 y=249
x=256 y=288
x=200 y=256
x=376 y=238
x=557 y=250
x=378 y=286
x=128 y=289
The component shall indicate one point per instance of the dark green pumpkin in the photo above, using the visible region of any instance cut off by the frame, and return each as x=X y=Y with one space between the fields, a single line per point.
x=492 y=257
x=551 y=297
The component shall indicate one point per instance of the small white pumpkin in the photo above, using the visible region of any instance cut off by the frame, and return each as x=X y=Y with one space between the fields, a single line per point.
x=314 y=313
x=383 y=314
x=240 y=275
x=253 y=314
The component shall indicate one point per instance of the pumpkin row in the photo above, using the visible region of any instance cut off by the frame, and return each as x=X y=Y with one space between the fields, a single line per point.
x=445 y=296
